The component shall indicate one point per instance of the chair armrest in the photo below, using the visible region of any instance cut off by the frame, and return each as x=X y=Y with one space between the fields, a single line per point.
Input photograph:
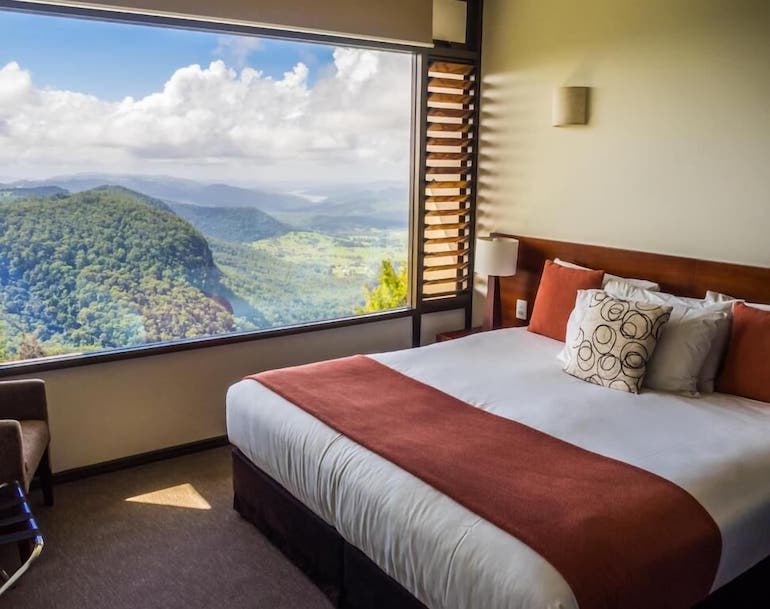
x=22 y=400
x=11 y=457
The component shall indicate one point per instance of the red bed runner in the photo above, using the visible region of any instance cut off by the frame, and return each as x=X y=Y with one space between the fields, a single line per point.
x=622 y=537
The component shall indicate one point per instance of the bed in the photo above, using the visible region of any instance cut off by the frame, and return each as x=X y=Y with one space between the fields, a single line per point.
x=373 y=535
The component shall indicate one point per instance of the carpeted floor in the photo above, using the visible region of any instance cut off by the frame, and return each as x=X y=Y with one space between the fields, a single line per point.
x=103 y=551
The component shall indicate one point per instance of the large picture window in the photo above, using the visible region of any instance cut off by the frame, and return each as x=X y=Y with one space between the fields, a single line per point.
x=159 y=184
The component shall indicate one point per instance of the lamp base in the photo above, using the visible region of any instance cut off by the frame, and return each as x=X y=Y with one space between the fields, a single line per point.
x=493 y=316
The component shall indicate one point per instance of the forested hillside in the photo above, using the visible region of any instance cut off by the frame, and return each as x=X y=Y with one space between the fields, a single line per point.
x=103 y=268
x=238 y=224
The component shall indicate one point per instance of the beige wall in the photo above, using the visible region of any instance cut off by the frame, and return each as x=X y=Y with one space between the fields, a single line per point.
x=676 y=157
x=112 y=410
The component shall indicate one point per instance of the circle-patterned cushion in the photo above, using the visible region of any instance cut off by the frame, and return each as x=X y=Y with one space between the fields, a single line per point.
x=615 y=341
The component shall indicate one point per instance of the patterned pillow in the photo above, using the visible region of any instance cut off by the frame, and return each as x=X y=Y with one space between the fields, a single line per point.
x=615 y=341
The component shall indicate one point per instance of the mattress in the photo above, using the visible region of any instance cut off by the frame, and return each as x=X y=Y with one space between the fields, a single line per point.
x=716 y=447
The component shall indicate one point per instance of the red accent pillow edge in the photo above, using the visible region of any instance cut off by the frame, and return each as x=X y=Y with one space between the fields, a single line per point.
x=556 y=297
x=746 y=369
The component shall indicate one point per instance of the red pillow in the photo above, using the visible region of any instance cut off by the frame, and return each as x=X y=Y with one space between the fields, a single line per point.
x=747 y=366
x=556 y=297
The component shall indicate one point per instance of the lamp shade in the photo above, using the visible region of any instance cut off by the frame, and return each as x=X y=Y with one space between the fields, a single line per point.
x=496 y=256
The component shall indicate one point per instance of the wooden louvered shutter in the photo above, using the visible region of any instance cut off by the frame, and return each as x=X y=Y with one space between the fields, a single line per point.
x=448 y=176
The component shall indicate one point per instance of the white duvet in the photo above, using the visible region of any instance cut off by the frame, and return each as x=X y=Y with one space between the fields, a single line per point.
x=716 y=447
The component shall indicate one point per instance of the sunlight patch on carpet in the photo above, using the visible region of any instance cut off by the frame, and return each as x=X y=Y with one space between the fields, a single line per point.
x=182 y=495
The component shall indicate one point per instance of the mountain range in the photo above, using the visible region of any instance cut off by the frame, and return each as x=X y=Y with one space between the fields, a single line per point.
x=172 y=189
x=334 y=209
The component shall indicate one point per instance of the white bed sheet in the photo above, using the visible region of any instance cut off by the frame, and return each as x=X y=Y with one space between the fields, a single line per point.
x=716 y=447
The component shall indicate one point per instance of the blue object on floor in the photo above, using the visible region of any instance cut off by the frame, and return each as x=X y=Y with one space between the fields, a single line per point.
x=18 y=525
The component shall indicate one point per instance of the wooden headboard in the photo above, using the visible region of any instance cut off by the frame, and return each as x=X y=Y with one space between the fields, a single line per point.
x=682 y=276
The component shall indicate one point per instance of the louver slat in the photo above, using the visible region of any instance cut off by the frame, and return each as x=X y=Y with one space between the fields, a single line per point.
x=441 y=68
x=434 y=113
x=462 y=157
x=450 y=142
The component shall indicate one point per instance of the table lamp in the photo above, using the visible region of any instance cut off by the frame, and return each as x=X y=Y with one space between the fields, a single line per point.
x=495 y=257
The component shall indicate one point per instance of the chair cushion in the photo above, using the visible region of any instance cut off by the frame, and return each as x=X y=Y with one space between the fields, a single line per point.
x=34 y=441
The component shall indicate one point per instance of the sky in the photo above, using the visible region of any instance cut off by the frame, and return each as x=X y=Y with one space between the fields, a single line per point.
x=84 y=96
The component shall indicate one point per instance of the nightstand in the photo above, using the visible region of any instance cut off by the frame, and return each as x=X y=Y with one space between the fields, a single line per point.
x=445 y=336
x=451 y=335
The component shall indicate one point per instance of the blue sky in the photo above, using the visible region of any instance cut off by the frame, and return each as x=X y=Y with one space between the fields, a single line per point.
x=64 y=85
x=112 y=60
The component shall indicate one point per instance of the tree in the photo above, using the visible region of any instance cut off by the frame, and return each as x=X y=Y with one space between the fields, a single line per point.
x=390 y=290
x=5 y=348
x=30 y=347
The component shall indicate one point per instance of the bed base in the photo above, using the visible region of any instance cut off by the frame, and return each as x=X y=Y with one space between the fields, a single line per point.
x=343 y=573
x=352 y=581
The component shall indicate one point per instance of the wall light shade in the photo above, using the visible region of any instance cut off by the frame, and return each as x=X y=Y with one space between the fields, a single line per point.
x=496 y=256
x=570 y=106
x=449 y=20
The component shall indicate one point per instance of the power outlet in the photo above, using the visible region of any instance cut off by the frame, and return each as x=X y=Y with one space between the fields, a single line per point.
x=521 y=310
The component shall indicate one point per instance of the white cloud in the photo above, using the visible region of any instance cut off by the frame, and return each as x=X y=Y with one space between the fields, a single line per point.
x=15 y=85
x=355 y=67
x=219 y=122
x=237 y=49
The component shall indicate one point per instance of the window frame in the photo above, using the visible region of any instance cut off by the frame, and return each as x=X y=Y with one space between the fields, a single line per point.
x=51 y=8
x=414 y=308
x=75 y=360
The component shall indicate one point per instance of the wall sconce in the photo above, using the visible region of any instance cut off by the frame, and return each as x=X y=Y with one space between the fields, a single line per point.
x=570 y=106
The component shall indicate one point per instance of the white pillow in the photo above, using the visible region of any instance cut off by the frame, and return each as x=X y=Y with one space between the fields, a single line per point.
x=641 y=283
x=693 y=342
x=717 y=297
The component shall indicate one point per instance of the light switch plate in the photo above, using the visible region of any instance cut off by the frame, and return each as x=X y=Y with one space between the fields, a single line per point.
x=521 y=309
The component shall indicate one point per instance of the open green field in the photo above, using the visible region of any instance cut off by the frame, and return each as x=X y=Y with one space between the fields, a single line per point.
x=306 y=276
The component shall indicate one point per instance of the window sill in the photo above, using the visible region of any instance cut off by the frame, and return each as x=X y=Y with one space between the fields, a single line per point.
x=113 y=355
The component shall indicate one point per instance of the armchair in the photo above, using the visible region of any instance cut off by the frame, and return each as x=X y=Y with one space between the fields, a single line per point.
x=24 y=435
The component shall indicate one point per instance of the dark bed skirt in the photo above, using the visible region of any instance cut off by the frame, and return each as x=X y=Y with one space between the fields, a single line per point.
x=352 y=581
x=344 y=573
